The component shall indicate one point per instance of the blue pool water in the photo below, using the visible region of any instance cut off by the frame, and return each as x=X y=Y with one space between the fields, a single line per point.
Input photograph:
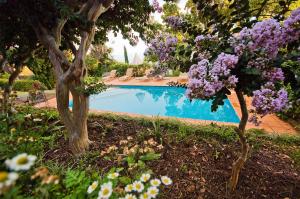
x=162 y=101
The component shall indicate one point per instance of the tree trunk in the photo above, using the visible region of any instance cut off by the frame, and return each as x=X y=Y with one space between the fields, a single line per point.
x=75 y=121
x=70 y=75
x=8 y=87
x=239 y=163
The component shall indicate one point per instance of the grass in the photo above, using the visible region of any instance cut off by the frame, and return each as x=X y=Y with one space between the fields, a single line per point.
x=47 y=132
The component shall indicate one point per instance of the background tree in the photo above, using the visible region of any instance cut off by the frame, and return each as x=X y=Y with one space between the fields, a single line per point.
x=41 y=67
x=58 y=25
x=126 y=55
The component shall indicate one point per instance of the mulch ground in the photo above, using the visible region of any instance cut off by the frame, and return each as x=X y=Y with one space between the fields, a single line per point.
x=199 y=169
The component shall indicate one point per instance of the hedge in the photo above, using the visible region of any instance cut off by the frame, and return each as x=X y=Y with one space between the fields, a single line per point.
x=21 y=85
x=138 y=70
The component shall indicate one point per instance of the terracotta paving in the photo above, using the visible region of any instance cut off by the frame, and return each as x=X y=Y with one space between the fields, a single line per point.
x=271 y=123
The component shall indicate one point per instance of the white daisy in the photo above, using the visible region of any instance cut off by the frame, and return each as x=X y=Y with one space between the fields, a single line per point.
x=21 y=162
x=153 y=191
x=92 y=187
x=7 y=179
x=145 y=177
x=166 y=180
x=155 y=182
x=130 y=196
x=105 y=191
x=129 y=188
x=113 y=175
x=138 y=186
x=145 y=196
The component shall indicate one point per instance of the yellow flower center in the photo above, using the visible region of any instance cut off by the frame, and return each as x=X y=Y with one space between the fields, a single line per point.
x=145 y=195
x=152 y=192
x=3 y=176
x=22 y=160
x=105 y=191
x=155 y=183
x=138 y=186
x=94 y=185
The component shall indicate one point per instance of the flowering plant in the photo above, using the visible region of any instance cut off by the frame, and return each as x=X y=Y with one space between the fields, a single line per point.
x=245 y=60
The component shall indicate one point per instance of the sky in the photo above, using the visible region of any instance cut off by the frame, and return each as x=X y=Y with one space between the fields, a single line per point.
x=117 y=43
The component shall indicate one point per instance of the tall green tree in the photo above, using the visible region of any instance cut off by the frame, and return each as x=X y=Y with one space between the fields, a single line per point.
x=126 y=55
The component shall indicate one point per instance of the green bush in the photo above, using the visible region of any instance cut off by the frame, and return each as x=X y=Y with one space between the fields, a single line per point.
x=21 y=85
x=138 y=70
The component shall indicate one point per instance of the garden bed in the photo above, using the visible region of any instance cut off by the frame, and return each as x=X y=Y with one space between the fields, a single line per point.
x=198 y=161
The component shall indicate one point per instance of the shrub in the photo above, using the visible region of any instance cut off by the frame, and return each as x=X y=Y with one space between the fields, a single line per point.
x=138 y=70
x=21 y=85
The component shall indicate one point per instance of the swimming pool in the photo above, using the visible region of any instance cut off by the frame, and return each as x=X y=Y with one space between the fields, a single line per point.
x=160 y=101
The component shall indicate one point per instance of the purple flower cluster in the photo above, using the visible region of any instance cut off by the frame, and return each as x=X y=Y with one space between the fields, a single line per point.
x=206 y=79
x=266 y=36
x=292 y=26
x=267 y=100
x=156 y=6
x=208 y=37
x=262 y=42
x=162 y=47
x=174 y=22
x=274 y=75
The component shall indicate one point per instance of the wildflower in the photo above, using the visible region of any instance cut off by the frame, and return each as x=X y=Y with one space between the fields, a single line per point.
x=155 y=182
x=166 y=180
x=153 y=192
x=113 y=175
x=7 y=179
x=138 y=186
x=13 y=130
x=50 y=179
x=105 y=191
x=21 y=162
x=145 y=177
x=129 y=188
x=40 y=173
x=112 y=148
x=92 y=187
x=145 y=196
x=130 y=196
x=37 y=120
x=133 y=149
x=123 y=142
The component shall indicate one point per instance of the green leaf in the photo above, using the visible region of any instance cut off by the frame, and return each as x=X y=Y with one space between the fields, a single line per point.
x=73 y=178
x=150 y=156
x=125 y=180
x=130 y=160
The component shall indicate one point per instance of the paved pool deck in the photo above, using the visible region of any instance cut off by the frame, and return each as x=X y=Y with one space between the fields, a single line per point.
x=270 y=123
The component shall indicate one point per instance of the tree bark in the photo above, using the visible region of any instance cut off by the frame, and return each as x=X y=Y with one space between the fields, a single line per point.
x=70 y=75
x=239 y=163
x=9 y=85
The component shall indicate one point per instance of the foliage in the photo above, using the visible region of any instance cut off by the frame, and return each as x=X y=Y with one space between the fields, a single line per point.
x=247 y=62
x=92 y=86
x=121 y=68
x=100 y=54
x=22 y=84
x=292 y=71
x=126 y=55
x=40 y=65
x=92 y=65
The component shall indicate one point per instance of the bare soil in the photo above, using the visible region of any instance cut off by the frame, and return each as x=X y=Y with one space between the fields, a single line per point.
x=200 y=168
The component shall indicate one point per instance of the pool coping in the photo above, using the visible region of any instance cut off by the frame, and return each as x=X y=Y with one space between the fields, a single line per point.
x=270 y=123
